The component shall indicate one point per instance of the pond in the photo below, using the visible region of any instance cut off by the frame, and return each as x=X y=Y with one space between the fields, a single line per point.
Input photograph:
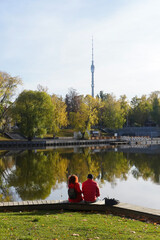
x=129 y=174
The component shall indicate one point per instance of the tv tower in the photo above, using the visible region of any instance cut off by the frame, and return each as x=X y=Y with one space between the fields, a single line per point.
x=92 y=71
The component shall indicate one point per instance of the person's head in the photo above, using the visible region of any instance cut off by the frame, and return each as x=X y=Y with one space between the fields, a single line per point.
x=90 y=176
x=73 y=179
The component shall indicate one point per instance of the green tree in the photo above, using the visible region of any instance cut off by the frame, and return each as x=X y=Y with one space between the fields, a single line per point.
x=156 y=110
x=8 y=86
x=113 y=114
x=100 y=108
x=140 y=112
x=33 y=112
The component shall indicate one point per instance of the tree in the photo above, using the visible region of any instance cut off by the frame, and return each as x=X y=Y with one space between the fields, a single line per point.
x=113 y=114
x=102 y=95
x=140 y=112
x=154 y=99
x=33 y=111
x=86 y=116
x=8 y=86
x=100 y=108
x=41 y=88
x=125 y=107
x=60 y=114
x=155 y=94
x=156 y=110
x=72 y=101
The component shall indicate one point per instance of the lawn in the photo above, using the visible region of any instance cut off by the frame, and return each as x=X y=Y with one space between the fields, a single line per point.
x=73 y=225
x=62 y=133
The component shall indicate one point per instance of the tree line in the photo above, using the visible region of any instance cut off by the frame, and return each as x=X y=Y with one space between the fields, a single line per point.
x=37 y=113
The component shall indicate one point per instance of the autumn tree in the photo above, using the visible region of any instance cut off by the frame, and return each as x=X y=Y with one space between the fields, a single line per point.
x=33 y=112
x=86 y=116
x=124 y=103
x=8 y=86
x=100 y=107
x=59 y=115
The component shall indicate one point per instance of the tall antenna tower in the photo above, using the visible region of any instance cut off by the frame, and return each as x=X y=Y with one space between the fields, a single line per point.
x=92 y=72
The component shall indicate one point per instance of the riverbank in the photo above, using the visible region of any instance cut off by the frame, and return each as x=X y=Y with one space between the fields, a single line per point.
x=61 y=142
x=121 y=209
x=73 y=225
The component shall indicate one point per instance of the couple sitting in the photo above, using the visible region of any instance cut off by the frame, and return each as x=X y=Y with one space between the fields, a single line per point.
x=90 y=190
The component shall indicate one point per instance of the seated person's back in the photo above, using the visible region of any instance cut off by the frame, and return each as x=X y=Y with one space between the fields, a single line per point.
x=74 y=184
x=90 y=189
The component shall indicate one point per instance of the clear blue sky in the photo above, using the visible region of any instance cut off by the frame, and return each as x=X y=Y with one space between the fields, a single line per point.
x=48 y=42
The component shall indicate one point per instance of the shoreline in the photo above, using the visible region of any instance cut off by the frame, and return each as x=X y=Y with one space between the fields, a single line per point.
x=121 y=209
x=70 y=142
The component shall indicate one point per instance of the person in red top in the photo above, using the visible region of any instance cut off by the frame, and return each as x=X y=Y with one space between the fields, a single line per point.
x=73 y=183
x=90 y=189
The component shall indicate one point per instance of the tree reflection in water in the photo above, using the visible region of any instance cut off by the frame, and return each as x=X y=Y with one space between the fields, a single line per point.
x=34 y=174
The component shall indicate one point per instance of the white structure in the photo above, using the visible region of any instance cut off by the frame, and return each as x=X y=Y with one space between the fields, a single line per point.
x=92 y=71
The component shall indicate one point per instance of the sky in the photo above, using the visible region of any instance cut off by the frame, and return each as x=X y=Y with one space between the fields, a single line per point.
x=49 y=42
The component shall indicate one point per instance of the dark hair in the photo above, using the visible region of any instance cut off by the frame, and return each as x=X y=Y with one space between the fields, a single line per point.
x=72 y=179
x=90 y=176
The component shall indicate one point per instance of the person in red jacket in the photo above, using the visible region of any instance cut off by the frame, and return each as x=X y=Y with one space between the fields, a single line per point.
x=73 y=183
x=90 y=189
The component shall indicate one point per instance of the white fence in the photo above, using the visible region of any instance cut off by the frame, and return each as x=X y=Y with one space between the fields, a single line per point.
x=141 y=140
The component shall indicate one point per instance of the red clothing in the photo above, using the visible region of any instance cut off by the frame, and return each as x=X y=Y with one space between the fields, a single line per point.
x=90 y=190
x=79 y=197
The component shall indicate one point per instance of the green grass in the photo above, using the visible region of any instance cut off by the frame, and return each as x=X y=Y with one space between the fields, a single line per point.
x=66 y=133
x=72 y=225
x=62 y=133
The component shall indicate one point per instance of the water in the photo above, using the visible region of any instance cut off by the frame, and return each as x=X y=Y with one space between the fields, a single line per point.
x=129 y=174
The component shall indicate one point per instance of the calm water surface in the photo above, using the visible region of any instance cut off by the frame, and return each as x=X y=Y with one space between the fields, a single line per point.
x=131 y=175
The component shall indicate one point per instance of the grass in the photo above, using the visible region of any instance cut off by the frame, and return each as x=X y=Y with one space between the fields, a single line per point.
x=62 y=133
x=73 y=225
x=66 y=133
